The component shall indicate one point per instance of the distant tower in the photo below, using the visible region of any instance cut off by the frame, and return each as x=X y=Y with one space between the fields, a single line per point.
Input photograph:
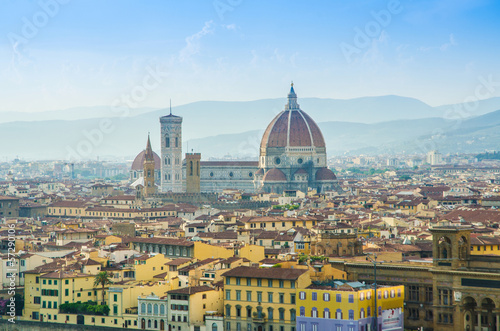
x=149 y=171
x=171 y=153
x=193 y=172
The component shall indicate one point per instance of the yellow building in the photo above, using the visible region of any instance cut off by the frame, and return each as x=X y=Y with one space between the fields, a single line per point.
x=189 y=305
x=279 y=223
x=262 y=298
x=484 y=245
x=350 y=306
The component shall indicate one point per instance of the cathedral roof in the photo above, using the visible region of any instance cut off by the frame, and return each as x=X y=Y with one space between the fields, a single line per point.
x=138 y=164
x=325 y=174
x=292 y=128
x=274 y=175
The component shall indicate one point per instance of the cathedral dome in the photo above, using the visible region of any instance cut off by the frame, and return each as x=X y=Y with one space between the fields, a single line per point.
x=292 y=128
x=274 y=175
x=138 y=163
x=325 y=174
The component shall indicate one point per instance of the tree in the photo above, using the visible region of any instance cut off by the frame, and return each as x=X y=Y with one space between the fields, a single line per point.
x=103 y=278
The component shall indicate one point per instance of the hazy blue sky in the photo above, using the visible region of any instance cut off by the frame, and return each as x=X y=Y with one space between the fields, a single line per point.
x=81 y=53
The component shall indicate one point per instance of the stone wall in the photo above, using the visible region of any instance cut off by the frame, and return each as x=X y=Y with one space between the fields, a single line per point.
x=5 y=325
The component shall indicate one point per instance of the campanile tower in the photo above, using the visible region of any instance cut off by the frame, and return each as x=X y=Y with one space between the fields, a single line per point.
x=171 y=153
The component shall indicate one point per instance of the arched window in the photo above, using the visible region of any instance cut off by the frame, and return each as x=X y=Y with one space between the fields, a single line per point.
x=149 y=324
x=155 y=309
x=156 y=324
x=150 y=308
x=338 y=314
x=314 y=312
x=162 y=309
x=214 y=326
x=362 y=313
x=167 y=141
x=143 y=308
x=326 y=313
x=302 y=311
x=190 y=168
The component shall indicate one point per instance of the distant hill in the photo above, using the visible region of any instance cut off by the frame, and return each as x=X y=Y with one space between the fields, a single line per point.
x=218 y=129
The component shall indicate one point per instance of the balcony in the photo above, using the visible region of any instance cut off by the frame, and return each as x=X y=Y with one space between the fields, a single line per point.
x=258 y=317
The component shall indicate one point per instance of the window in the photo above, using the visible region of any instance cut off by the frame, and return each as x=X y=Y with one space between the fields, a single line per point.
x=115 y=297
x=351 y=298
x=249 y=311
x=326 y=297
x=292 y=284
x=270 y=283
x=314 y=296
x=413 y=293
x=66 y=292
x=386 y=294
x=302 y=295
x=249 y=282
x=259 y=296
x=338 y=314
x=249 y=327
x=259 y=282
x=282 y=314
x=282 y=298
x=228 y=280
x=302 y=311
x=326 y=313
x=228 y=311
x=238 y=295
x=228 y=295
x=282 y=283
x=314 y=312
x=270 y=297
x=428 y=294
x=228 y=326
x=249 y=295
x=270 y=313
x=238 y=281
x=445 y=297
x=238 y=326
x=292 y=299
x=338 y=298
x=292 y=315
x=238 y=311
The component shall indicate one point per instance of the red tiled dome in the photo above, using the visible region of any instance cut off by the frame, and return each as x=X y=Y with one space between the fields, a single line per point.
x=274 y=175
x=325 y=174
x=292 y=127
x=138 y=163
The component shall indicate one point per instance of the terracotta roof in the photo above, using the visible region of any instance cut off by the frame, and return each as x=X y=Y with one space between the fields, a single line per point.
x=325 y=174
x=138 y=163
x=274 y=175
x=191 y=290
x=292 y=127
x=163 y=241
x=268 y=273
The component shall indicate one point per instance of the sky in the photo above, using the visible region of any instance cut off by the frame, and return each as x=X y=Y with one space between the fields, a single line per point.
x=58 y=54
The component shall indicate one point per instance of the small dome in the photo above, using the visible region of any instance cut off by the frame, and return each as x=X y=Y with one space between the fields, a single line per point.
x=325 y=174
x=274 y=175
x=138 y=164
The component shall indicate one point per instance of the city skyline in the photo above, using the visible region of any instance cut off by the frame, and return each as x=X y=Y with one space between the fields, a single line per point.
x=66 y=54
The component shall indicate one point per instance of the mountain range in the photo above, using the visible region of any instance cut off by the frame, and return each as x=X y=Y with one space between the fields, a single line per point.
x=217 y=129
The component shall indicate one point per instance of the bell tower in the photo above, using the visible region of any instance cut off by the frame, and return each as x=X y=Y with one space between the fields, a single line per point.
x=450 y=246
x=171 y=153
x=149 y=171
x=193 y=172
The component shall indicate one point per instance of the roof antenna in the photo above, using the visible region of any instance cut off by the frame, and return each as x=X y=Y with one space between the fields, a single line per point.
x=170 y=106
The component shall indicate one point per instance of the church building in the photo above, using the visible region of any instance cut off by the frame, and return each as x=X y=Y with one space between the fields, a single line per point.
x=292 y=157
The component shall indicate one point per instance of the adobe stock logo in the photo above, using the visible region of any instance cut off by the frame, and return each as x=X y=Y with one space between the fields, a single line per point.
x=372 y=30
